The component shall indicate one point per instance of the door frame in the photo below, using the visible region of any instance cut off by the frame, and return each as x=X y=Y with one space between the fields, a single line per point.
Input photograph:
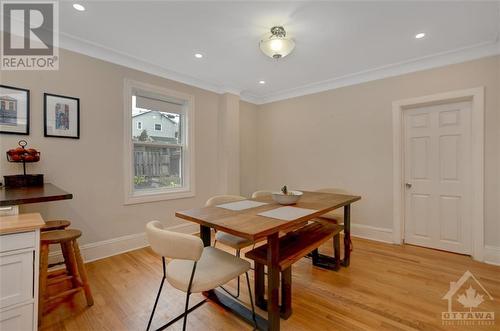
x=474 y=95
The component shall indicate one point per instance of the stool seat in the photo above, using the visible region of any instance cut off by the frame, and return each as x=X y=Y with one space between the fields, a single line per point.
x=58 y=236
x=55 y=225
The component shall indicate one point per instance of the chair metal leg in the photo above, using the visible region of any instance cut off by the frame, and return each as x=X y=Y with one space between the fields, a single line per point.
x=187 y=297
x=251 y=300
x=186 y=312
x=158 y=295
x=238 y=254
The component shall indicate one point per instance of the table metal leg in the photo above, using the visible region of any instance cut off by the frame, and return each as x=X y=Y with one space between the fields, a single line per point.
x=347 y=236
x=206 y=235
x=259 y=285
x=273 y=282
x=286 y=293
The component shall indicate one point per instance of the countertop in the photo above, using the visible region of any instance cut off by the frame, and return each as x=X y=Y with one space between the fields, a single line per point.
x=20 y=223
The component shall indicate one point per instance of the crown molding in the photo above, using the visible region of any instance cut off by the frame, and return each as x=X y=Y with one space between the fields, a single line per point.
x=101 y=52
x=418 y=64
x=252 y=98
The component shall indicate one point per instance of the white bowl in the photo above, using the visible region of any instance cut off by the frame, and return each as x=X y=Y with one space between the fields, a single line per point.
x=287 y=199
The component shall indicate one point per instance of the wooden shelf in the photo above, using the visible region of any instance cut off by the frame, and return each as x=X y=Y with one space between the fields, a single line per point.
x=25 y=195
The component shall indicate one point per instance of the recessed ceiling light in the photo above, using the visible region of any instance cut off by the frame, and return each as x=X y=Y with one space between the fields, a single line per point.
x=78 y=7
x=262 y=82
x=198 y=55
x=420 y=35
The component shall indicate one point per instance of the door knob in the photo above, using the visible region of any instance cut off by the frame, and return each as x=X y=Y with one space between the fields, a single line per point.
x=408 y=185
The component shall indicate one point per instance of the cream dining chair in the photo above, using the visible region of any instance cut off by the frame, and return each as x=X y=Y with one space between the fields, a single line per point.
x=261 y=194
x=193 y=268
x=228 y=239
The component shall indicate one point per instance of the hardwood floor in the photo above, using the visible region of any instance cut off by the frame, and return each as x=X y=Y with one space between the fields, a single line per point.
x=387 y=287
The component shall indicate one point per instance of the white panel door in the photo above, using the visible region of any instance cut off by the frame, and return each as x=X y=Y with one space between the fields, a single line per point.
x=437 y=156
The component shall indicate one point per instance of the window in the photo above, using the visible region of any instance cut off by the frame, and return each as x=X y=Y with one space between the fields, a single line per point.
x=159 y=162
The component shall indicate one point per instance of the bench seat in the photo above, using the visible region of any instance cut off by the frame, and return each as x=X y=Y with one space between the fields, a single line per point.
x=297 y=244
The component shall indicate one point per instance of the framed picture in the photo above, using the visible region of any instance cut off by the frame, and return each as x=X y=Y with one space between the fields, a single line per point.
x=14 y=110
x=61 y=116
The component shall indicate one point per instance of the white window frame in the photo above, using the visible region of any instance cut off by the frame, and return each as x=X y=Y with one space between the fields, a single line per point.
x=161 y=126
x=139 y=125
x=131 y=196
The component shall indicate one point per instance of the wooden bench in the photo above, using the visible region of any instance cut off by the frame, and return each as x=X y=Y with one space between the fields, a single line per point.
x=292 y=247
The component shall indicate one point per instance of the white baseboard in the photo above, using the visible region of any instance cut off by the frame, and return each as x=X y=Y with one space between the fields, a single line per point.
x=372 y=233
x=492 y=255
x=106 y=248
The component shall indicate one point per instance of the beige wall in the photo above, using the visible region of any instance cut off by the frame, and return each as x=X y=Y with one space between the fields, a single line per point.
x=343 y=138
x=92 y=167
x=248 y=148
x=229 y=144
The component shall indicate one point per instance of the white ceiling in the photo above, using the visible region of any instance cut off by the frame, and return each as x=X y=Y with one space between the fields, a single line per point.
x=337 y=43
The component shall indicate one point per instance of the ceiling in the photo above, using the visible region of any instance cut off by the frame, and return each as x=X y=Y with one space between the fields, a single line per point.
x=336 y=42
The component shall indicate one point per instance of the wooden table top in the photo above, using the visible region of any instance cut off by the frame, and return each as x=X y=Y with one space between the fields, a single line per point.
x=248 y=224
x=20 y=223
x=24 y=195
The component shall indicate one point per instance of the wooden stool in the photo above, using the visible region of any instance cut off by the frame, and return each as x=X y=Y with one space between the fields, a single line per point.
x=55 y=225
x=75 y=270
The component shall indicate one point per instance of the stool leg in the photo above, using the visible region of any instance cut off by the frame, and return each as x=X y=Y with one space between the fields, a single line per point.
x=64 y=251
x=42 y=290
x=83 y=274
x=71 y=264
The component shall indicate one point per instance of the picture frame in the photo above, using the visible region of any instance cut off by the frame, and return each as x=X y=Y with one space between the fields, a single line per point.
x=61 y=116
x=14 y=110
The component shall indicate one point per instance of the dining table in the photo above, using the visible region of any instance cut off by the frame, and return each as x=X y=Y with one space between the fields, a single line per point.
x=249 y=223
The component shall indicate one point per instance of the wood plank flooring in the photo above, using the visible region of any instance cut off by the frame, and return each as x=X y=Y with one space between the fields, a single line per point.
x=387 y=287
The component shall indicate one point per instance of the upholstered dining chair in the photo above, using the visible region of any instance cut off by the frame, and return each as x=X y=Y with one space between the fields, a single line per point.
x=226 y=238
x=193 y=268
x=261 y=194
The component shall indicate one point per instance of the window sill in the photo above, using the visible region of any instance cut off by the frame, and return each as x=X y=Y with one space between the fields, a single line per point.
x=154 y=197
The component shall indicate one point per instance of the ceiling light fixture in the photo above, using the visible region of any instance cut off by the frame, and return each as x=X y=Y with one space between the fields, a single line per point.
x=262 y=82
x=420 y=35
x=78 y=7
x=276 y=44
x=198 y=55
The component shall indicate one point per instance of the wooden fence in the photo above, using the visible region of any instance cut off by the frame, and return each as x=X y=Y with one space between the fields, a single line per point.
x=147 y=163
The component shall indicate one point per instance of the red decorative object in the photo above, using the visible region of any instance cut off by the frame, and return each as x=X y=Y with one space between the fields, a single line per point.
x=24 y=155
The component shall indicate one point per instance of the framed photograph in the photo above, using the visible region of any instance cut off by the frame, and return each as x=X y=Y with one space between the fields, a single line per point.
x=61 y=116
x=14 y=110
